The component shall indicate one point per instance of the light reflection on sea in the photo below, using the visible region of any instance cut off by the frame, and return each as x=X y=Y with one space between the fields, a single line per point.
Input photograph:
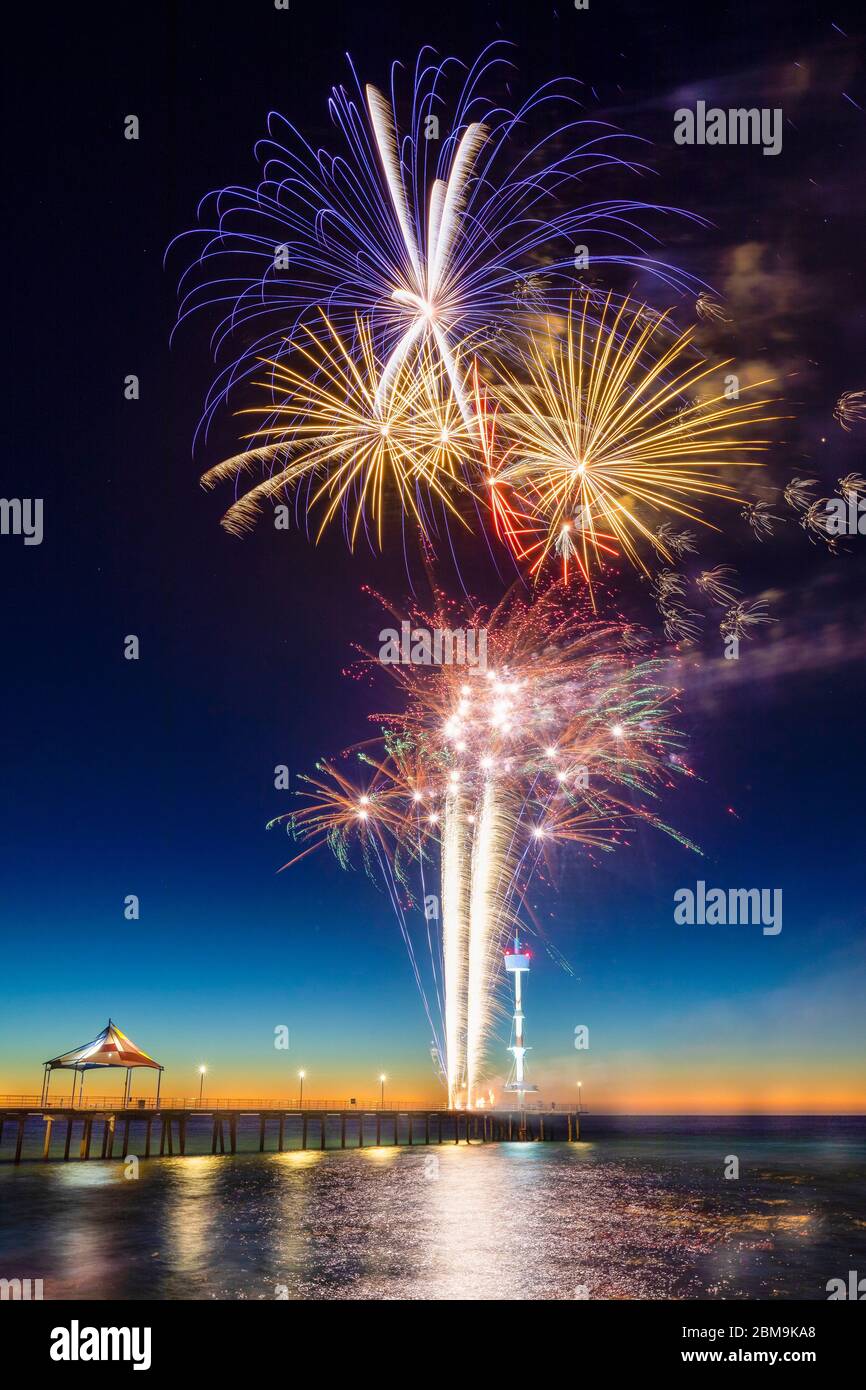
x=622 y=1216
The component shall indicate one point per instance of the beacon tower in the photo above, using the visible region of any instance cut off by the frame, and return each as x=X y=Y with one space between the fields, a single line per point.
x=516 y=964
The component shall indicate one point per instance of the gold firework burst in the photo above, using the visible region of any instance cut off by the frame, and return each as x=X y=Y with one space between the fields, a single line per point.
x=351 y=448
x=602 y=447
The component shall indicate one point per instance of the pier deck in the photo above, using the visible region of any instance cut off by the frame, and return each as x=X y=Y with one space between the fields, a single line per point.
x=107 y=1131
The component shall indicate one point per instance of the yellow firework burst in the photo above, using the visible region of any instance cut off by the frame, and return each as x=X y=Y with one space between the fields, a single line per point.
x=608 y=437
x=347 y=448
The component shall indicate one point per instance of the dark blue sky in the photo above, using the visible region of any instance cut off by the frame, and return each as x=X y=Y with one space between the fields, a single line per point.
x=156 y=777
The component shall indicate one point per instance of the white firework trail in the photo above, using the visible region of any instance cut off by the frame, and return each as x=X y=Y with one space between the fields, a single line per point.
x=455 y=860
x=489 y=923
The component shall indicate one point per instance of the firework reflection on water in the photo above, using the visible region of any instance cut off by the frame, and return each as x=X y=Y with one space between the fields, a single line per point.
x=640 y=1209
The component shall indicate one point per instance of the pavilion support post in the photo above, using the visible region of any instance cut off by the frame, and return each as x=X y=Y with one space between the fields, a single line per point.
x=87 y=1137
x=68 y=1144
x=158 y=1084
x=46 y=1142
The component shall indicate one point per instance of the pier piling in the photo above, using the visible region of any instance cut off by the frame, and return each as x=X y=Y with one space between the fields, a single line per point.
x=451 y=1126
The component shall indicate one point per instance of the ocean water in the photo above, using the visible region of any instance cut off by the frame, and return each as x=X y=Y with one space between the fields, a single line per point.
x=640 y=1208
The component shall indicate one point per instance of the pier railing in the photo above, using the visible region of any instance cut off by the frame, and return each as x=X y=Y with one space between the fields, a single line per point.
x=209 y=1103
x=247 y=1103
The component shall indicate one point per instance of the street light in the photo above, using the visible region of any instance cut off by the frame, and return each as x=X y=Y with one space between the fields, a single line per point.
x=201 y=1076
x=579 y=1085
x=302 y=1074
x=382 y=1079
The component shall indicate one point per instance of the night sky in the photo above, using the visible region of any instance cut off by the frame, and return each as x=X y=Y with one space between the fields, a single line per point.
x=155 y=777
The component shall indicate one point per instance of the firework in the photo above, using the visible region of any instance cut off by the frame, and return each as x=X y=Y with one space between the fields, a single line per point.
x=853 y=484
x=597 y=449
x=530 y=291
x=712 y=310
x=425 y=227
x=677 y=543
x=814 y=522
x=798 y=493
x=760 y=517
x=850 y=410
x=563 y=737
x=717 y=583
x=741 y=618
x=667 y=585
x=680 y=624
x=325 y=434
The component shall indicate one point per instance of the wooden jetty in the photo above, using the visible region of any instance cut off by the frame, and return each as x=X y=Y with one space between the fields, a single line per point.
x=160 y=1131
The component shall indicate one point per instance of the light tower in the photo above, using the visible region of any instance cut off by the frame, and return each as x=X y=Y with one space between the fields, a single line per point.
x=516 y=963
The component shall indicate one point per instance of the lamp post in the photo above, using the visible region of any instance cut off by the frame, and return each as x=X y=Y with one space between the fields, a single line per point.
x=301 y=1075
x=579 y=1095
x=201 y=1076
x=382 y=1079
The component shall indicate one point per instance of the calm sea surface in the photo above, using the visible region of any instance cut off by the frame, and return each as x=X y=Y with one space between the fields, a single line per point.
x=639 y=1209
